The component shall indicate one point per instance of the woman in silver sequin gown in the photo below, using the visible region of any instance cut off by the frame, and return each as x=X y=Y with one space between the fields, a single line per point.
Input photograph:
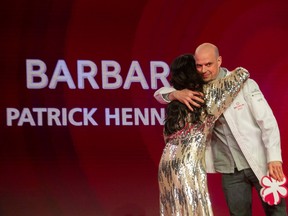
x=182 y=176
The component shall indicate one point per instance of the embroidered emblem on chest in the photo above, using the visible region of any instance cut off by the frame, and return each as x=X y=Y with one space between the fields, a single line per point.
x=238 y=106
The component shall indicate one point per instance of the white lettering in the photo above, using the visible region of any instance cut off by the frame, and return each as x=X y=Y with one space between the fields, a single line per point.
x=87 y=115
x=109 y=74
x=109 y=116
x=36 y=69
x=126 y=114
x=135 y=67
x=159 y=76
x=159 y=116
x=140 y=116
x=26 y=116
x=71 y=116
x=36 y=77
x=132 y=116
x=39 y=112
x=54 y=116
x=82 y=75
x=57 y=77
x=11 y=114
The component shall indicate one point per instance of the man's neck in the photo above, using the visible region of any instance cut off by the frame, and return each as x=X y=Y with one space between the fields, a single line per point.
x=222 y=73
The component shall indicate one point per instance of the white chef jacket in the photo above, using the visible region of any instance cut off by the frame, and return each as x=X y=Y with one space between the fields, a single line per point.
x=253 y=126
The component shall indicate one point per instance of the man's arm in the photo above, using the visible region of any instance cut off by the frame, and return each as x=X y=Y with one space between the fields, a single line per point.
x=162 y=94
x=190 y=98
x=264 y=117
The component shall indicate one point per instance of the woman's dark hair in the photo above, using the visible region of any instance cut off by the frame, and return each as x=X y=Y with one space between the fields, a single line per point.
x=183 y=76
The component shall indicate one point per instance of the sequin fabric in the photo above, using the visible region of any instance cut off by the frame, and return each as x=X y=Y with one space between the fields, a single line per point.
x=182 y=177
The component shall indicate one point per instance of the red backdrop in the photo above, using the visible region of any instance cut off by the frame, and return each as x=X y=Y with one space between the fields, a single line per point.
x=111 y=170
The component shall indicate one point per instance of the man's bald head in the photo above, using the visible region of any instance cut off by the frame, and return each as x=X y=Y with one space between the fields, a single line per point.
x=207 y=47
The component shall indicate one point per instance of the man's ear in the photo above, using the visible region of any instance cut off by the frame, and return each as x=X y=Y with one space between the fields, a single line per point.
x=219 y=61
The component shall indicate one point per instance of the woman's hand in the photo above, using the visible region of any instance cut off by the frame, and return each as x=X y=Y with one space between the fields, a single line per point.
x=187 y=97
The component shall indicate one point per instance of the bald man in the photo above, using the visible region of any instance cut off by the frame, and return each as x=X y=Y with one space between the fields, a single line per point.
x=245 y=145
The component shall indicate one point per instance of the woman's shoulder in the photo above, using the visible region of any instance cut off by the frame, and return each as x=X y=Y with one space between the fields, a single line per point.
x=239 y=69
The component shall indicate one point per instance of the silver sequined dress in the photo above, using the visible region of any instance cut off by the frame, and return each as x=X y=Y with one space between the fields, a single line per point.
x=182 y=177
